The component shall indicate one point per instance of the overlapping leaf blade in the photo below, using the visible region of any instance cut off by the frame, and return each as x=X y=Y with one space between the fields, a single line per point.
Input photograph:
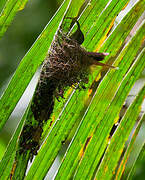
x=8 y=158
x=90 y=127
x=57 y=16
x=129 y=150
x=29 y=65
x=67 y=120
x=2 y=3
x=77 y=103
x=116 y=146
x=9 y=11
x=139 y=158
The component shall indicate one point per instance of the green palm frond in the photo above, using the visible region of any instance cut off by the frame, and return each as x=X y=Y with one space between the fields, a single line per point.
x=85 y=117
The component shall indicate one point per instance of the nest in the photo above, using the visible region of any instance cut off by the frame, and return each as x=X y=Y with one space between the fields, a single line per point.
x=66 y=65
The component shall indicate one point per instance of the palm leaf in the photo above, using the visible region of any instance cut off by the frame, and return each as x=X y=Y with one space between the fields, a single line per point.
x=9 y=11
x=129 y=151
x=88 y=115
x=9 y=156
x=116 y=146
x=28 y=66
x=94 y=130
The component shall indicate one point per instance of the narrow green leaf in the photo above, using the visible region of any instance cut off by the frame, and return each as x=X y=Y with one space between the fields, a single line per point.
x=8 y=158
x=29 y=65
x=99 y=105
x=67 y=120
x=140 y=157
x=83 y=97
x=108 y=116
x=2 y=3
x=120 y=33
x=9 y=11
x=110 y=161
x=78 y=8
x=104 y=24
x=91 y=14
x=128 y=151
x=21 y=161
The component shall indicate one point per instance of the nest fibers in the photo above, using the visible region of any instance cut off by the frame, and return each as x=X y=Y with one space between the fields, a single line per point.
x=66 y=64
